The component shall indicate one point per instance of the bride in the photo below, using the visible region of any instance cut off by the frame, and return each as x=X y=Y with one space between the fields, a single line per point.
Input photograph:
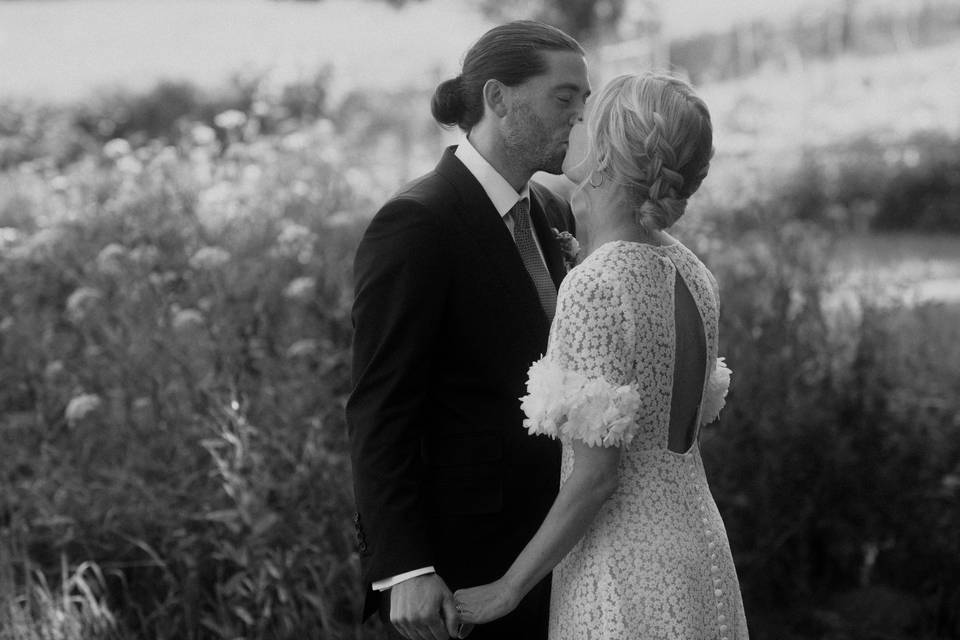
x=634 y=539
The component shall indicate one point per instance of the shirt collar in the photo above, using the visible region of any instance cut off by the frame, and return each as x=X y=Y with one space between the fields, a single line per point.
x=501 y=194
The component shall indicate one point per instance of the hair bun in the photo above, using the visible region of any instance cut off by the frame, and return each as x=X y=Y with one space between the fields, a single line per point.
x=655 y=215
x=447 y=105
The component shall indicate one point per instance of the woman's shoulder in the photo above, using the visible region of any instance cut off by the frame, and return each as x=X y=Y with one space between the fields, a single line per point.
x=596 y=281
x=625 y=259
x=638 y=268
x=611 y=270
x=601 y=266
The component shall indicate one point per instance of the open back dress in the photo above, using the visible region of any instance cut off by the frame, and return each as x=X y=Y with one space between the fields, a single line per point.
x=632 y=362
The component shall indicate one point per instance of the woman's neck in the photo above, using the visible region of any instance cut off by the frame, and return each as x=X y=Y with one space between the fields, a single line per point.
x=611 y=219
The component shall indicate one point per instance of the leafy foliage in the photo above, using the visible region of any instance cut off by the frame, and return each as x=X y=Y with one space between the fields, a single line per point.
x=835 y=462
x=174 y=340
x=862 y=184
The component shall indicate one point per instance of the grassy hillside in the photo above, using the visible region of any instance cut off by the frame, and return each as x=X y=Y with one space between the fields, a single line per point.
x=822 y=103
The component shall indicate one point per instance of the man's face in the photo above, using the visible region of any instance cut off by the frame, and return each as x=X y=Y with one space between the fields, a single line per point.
x=543 y=110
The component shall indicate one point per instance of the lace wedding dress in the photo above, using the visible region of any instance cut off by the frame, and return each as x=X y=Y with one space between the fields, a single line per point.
x=632 y=362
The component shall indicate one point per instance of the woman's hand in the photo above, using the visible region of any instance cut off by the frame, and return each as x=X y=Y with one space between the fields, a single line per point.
x=485 y=603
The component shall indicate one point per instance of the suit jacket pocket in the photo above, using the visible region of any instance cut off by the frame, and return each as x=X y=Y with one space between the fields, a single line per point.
x=466 y=473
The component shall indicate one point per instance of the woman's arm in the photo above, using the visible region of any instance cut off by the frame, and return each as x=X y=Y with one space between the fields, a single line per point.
x=580 y=390
x=592 y=481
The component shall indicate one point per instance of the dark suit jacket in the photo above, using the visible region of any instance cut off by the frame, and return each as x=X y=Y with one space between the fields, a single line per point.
x=447 y=322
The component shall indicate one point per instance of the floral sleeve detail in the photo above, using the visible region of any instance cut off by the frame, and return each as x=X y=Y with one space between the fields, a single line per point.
x=560 y=402
x=582 y=388
x=715 y=394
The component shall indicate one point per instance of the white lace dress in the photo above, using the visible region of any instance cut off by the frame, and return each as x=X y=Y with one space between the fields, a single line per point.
x=655 y=564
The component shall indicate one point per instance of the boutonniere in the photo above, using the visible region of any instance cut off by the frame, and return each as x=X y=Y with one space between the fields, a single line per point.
x=569 y=247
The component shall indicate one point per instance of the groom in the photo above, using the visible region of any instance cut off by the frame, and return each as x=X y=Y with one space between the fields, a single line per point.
x=456 y=282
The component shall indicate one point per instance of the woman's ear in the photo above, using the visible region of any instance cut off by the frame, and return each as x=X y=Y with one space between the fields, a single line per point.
x=495 y=97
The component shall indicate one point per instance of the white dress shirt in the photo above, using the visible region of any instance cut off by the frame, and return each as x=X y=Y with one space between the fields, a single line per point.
x=503 y=196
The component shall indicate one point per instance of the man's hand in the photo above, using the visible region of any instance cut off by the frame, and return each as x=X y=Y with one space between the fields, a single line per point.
x=423 y=608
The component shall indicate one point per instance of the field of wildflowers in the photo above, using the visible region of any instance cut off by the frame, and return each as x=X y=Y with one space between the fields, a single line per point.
x=175 y=341
x=174 y=354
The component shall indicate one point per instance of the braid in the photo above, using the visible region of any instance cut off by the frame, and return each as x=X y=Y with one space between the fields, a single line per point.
x=662 y=205
x=652 y=135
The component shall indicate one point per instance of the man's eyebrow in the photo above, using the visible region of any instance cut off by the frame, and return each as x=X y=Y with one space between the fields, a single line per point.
x=573 y=86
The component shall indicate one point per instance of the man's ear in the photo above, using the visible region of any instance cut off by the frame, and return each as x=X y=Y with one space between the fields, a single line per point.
x=495 y=97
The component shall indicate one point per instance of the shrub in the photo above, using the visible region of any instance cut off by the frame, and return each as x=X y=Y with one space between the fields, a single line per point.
x=865 y=185
x=835 y=461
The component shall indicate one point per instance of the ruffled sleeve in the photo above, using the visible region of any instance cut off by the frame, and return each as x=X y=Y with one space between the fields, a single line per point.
x=715 y=393
x=581 y=389
x=561 y=402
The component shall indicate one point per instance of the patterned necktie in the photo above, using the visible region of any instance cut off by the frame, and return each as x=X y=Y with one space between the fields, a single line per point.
x=523 y=234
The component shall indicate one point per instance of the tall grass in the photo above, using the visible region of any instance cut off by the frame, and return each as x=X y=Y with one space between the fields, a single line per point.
x=33 y=609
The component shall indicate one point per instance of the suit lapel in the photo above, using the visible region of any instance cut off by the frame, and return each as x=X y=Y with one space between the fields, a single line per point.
x=484 y=225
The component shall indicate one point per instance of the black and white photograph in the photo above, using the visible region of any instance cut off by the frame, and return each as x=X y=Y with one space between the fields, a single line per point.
x=487 y=319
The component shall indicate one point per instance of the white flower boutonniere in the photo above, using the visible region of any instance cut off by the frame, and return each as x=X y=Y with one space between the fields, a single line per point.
x=569 y=247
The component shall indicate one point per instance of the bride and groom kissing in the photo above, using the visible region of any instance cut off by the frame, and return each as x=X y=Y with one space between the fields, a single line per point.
x=472 y=342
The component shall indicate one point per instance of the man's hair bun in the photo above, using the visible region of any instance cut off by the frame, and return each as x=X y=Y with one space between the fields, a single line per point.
x=447 y=105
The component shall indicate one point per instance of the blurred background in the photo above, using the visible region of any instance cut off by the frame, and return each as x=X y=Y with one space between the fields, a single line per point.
x=182 y=186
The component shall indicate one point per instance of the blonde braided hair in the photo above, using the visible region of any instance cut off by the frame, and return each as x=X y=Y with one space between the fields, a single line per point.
x=653 y=136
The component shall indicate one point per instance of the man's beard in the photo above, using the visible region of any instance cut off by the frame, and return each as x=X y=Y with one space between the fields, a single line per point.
x=529 y=144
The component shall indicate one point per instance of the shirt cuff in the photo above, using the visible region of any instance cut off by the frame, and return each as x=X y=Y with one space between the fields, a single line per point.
x=383 y=585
